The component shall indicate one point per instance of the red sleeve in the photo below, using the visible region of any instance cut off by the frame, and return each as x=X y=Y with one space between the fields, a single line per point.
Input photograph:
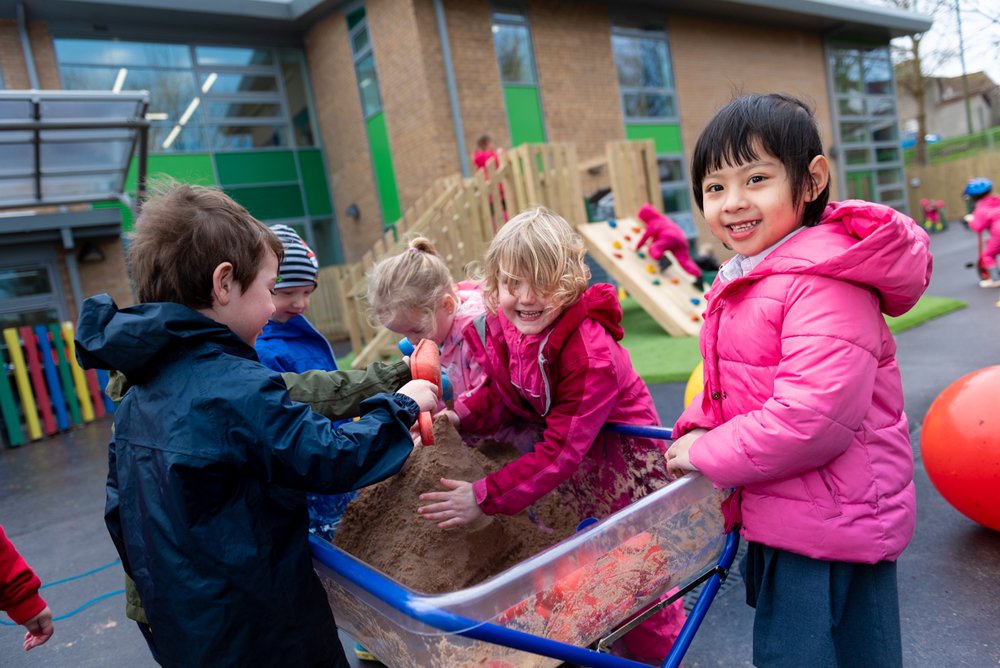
x=18 y=584
x=586 y=396
x=480 y=411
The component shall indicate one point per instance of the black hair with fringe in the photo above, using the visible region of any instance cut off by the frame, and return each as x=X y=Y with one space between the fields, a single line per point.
x=781 y=125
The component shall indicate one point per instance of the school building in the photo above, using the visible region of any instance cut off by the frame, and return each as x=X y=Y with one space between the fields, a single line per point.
x=334 y=117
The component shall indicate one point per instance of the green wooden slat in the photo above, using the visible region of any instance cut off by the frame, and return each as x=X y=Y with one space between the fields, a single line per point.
x=65 y=375
x=11 y=416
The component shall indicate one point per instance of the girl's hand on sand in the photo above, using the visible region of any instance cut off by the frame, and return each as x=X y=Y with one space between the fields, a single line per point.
x=452 y=508
x=424 y=392
x=452 y=417
x=679 y=454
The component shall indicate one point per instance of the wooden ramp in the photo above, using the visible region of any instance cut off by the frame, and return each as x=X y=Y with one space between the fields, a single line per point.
x=668 y=297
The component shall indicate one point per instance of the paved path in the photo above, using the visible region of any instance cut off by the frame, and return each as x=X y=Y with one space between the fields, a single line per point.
x=52 y=502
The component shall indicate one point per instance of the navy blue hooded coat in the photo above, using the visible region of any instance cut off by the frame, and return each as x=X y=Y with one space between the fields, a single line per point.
x=208 y=466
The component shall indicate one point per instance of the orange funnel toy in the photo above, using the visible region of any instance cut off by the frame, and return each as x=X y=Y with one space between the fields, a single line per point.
x=425 y=364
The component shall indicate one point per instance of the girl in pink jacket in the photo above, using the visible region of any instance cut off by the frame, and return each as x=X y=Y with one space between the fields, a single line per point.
x=412 y=294
x=550 y=349
x=802 y=408
x=663 y=235
x=985 y=216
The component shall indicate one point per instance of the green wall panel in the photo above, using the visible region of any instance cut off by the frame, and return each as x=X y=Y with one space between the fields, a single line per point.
x=314 y=181
x=385 y=173
x=666 y=137
x=186 y=167
x=270 y=202
x=524 y=115
x=255 y=167
x=127 y=221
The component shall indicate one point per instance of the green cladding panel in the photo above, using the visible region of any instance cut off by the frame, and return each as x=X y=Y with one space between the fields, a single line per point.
x=256 y=167
x=313 y=171
x=184 y=167
x=666 y=136
x=524 y=115
x=385 y=173
x=269 y=202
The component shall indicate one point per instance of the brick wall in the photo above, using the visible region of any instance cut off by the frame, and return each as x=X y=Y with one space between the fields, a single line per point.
x=15 y=74
x=44 y=54
x=410 y=68
x=477 y=75
x=576 y=72
x=716 y=60
x=109 y=275
x=341 y=126
x=12 y=62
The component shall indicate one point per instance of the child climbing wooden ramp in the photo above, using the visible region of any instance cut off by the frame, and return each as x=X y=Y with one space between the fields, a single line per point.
x=668 y=296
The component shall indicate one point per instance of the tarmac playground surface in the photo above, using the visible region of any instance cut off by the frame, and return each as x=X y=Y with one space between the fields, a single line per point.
x=52 y=505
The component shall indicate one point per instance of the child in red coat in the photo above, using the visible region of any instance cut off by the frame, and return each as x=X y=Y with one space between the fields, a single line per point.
x=19 y=596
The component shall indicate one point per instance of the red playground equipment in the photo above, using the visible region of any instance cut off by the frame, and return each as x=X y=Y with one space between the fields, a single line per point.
x=960 y=445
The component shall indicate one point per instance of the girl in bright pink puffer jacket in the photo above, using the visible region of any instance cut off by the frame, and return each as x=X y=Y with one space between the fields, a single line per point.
x=802 y=407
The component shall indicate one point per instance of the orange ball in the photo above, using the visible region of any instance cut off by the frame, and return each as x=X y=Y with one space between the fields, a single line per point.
x=960 y=445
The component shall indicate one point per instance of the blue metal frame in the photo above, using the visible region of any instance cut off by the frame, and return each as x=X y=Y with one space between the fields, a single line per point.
x=665 y=433
x=403 y=600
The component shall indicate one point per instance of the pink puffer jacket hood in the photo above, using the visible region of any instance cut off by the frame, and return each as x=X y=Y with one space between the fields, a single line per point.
x=803 y=395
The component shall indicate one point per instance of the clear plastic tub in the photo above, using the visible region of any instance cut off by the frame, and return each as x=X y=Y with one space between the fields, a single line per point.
x=575 y=592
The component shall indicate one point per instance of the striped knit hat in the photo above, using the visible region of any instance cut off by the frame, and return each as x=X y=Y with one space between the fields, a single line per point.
x=299 y=268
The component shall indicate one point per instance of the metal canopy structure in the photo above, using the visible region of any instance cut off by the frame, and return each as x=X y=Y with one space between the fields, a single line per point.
x=70 y=147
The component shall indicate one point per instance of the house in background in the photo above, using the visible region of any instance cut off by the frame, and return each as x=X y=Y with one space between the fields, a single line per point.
x=334 y=116
x=944 y=105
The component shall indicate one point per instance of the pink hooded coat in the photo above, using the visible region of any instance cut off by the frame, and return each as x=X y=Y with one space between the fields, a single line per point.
x=570 y=380
x=567 y=383
x=803 y=395
x=665 y=235
x=986 y=216
x=463 y=369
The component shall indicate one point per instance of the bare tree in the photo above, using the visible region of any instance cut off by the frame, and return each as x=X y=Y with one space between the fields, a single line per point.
x=914 y=63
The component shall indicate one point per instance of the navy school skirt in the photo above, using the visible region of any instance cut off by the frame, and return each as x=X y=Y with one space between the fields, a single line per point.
x=816 y=613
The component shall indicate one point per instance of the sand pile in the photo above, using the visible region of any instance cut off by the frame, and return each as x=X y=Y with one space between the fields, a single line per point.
x=381 y=527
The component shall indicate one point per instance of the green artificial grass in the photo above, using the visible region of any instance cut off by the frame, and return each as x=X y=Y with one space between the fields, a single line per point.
x=661 y=358
x=926 y=309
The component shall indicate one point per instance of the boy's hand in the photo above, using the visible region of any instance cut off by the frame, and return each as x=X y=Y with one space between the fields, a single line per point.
x=424 y=392
x=453 y=508
x=679 y=454
x=40 y=629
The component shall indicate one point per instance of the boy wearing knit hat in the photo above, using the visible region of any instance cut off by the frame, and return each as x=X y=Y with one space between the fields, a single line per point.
x=290 y=343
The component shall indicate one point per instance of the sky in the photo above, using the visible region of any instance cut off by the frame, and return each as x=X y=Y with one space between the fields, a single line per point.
x=980 y=35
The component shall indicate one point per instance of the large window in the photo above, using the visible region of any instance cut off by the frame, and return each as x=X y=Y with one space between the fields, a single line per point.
x=516 y=60
x=29 y=289
x=201 y=97
x=867 y=124
x=364 y=64
x=375 y=122
x=642 y=61
x=649 y=104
